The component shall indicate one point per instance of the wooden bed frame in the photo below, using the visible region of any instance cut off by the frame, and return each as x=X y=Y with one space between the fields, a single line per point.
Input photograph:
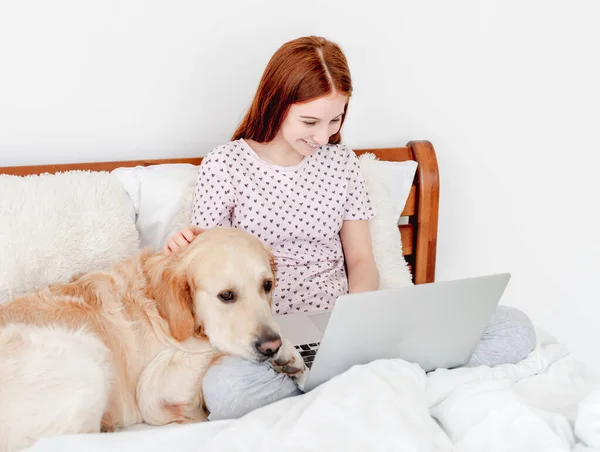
x=419 y=236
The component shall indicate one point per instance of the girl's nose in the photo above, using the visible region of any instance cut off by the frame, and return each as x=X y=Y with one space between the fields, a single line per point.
x=321 y=137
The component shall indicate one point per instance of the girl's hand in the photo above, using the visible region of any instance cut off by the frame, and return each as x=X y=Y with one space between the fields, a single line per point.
x=182 y=239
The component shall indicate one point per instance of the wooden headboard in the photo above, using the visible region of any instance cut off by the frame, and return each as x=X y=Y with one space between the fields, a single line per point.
x=419 y=236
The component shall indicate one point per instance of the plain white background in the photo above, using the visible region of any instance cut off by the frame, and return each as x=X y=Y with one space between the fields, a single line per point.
x=507 y=91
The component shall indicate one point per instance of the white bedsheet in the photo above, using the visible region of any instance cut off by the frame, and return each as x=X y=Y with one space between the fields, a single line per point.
x=546 y=403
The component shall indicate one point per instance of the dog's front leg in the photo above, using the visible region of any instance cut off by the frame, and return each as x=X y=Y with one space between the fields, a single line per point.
x=170 y=388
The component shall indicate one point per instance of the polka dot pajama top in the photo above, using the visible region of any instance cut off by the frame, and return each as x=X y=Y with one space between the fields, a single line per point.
x=296 y=210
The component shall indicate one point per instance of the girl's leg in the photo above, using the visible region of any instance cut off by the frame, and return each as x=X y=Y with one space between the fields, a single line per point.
x=234 y=386
x=508 y=338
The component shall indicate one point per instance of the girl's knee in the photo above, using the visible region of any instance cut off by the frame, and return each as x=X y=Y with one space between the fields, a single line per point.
x=233 y=387
x=513 y=325
x=509 y=338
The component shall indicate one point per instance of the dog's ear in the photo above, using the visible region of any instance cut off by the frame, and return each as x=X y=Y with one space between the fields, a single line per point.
x=175 y=303
x=272 y=262
x=273 y=266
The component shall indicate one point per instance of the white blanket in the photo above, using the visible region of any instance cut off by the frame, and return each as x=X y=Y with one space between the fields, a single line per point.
x=547 y=402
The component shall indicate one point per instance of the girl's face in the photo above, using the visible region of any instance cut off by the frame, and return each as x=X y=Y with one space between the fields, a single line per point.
x=310 y=125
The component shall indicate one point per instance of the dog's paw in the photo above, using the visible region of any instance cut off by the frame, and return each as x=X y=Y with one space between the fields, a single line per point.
x=288 y=361
x=106 y=423
x=184 y=413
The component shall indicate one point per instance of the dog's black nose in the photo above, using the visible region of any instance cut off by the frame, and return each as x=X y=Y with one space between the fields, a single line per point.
x=268 y=345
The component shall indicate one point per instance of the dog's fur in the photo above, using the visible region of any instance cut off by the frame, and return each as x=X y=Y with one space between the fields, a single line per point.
x=131 y=344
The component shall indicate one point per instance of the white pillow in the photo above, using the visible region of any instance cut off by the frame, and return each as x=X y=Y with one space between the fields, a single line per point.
x=388 y=184
x=54 y=226
x=158 y=193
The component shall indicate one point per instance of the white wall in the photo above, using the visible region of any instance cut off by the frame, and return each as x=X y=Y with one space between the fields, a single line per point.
x=507 y=91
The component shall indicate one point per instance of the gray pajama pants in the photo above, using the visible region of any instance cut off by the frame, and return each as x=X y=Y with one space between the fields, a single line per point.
x=235 y=386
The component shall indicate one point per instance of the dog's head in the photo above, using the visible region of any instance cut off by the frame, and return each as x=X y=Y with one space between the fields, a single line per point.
x=221 y=285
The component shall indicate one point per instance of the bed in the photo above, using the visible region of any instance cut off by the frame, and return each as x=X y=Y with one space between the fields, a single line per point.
x=547 y=402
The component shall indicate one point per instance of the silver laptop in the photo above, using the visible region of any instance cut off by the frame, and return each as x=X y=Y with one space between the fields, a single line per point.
x=435 y=325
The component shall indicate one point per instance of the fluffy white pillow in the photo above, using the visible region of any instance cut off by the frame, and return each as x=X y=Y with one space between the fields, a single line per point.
x=158 y=194
x=54 y=226
x=388 y=184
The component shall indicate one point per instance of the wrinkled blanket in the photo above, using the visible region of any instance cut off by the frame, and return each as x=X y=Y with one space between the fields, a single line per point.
x=547 y=402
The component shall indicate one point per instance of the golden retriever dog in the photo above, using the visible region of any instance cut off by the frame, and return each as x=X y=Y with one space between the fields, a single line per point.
x=131 y=344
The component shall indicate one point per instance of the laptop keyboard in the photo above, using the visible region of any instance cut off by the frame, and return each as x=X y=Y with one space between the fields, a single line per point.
x=308 y=352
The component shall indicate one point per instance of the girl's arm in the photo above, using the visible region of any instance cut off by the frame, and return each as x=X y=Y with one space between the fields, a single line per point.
x=363 y=275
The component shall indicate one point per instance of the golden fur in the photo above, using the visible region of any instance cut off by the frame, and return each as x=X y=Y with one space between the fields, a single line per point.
x=163 y=322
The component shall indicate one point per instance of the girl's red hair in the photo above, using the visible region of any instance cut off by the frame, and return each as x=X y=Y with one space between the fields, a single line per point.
x=300 y=71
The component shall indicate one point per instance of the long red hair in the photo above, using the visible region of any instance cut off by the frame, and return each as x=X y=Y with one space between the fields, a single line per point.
x=300 y=71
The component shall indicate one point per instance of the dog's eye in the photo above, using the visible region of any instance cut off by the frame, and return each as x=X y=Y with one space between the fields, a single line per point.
x=227 y=296
x=268 y=285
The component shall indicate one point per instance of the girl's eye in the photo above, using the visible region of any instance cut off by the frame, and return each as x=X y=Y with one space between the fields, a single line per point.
x=309 y=123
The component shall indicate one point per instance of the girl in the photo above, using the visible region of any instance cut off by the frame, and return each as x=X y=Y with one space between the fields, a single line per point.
x=286 y=178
